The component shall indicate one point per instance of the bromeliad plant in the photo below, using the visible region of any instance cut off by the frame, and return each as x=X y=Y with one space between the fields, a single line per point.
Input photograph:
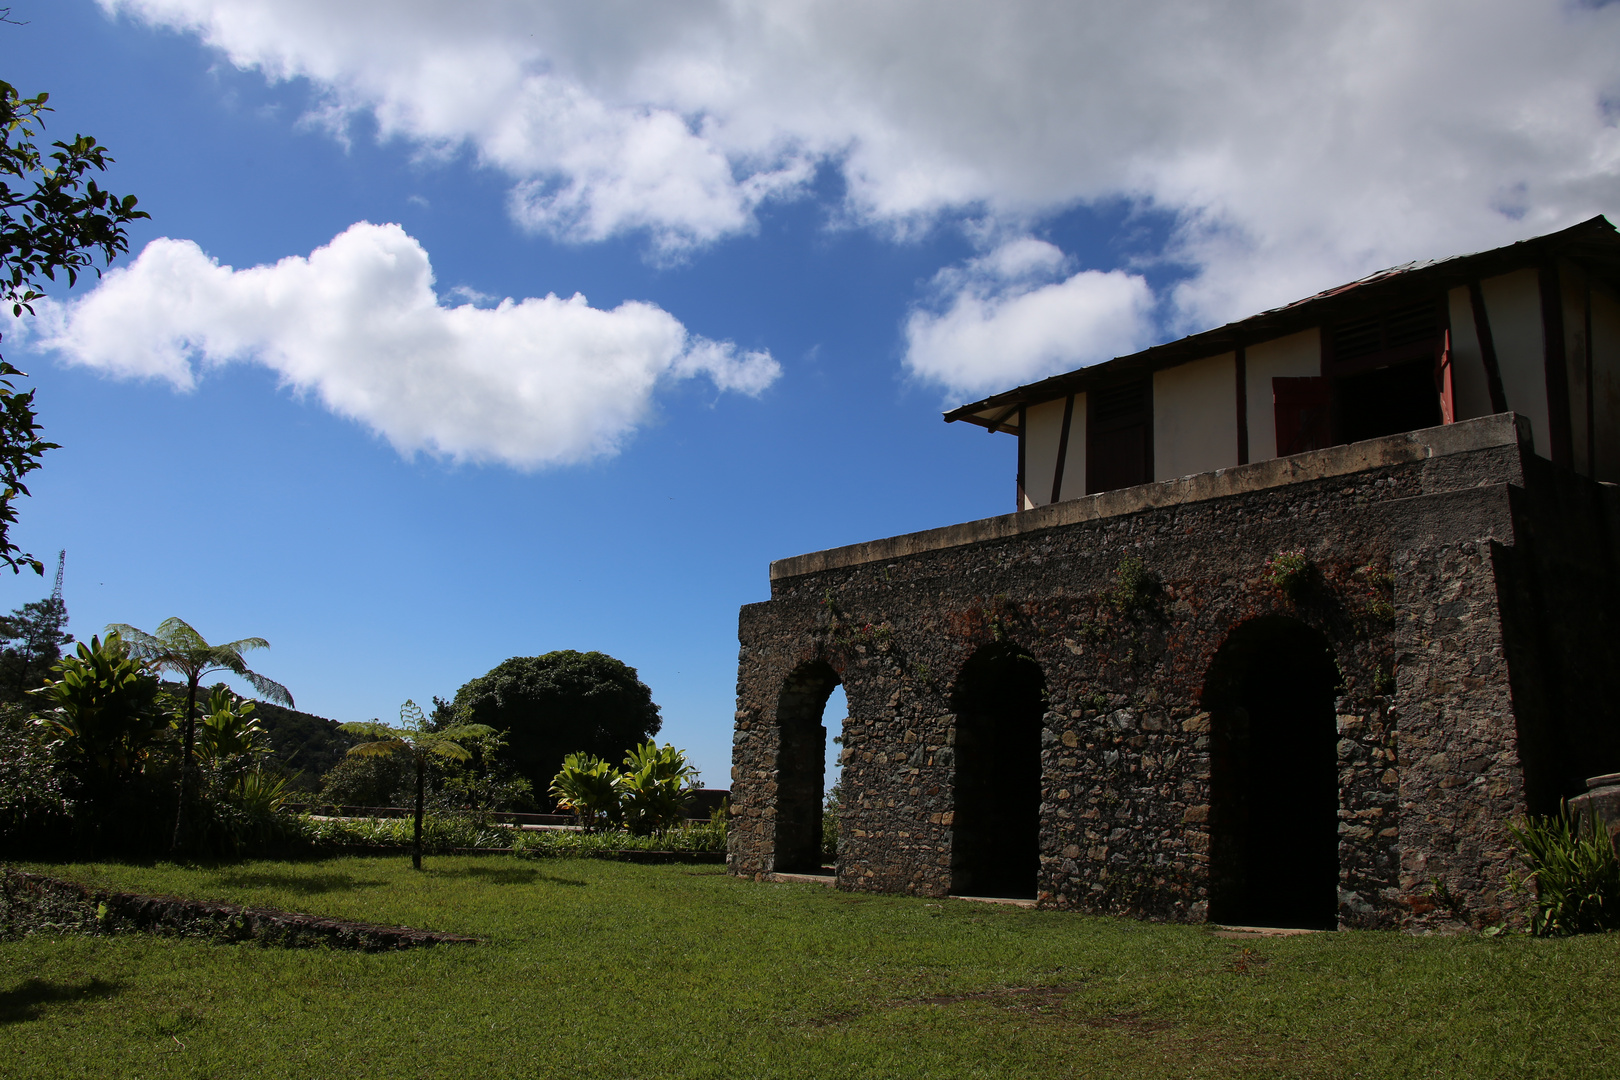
x=655 y=787
x=650 y=795
x=1576 y=873
x=585 y=786
x=416 y=739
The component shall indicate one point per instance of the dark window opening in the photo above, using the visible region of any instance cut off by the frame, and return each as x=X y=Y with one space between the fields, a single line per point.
x=1274 y=798
x=995 y=839
x=1388 y=401
x=1119 y=437
x=801 y=768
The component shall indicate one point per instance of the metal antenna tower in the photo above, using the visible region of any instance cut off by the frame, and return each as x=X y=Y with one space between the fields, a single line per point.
x=56 y=590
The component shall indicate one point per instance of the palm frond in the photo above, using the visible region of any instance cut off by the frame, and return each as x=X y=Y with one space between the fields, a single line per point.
x=446 y=749
x=378 y=748
x=268 y=688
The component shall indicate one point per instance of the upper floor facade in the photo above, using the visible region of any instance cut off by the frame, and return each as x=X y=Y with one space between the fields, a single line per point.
x=1532 y=328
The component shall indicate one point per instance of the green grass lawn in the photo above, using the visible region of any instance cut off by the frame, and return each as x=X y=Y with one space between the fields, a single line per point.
x=614 y=970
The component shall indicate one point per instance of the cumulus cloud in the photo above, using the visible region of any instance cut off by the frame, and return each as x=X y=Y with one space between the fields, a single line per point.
x=528 y=383
x=1010 y=317
x=1295 y=145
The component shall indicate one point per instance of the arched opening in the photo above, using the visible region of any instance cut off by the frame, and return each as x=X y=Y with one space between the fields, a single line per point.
x=801 y=767
x=1274 y=790
x=995 y=836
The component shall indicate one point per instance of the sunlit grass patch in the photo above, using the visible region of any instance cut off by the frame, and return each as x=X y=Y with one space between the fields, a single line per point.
x=596 y=968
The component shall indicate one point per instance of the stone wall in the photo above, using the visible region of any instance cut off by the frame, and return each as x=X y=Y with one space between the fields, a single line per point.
x=1124 y=601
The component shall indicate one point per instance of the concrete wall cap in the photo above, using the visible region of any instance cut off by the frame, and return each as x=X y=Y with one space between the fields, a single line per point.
x=1486 y=432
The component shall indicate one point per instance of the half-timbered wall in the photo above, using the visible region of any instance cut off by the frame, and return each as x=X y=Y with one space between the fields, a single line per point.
x=1207 y=416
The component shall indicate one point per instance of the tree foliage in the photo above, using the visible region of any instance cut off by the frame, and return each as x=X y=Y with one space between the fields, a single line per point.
x=103 y=707
x=558 y=704
x=177 y=648
x=415 y=740
x=34 y=635
x=54 y=219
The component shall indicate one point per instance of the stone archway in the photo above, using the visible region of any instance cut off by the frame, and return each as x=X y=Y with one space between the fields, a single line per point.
x=999 y=700
x=801 y=767
x=1274 y=791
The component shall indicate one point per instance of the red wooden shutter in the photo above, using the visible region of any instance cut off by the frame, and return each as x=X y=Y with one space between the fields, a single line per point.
x=1442 y=381
x=1304 y=411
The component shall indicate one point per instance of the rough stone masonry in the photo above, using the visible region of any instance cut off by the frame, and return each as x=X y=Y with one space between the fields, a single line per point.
x=1460 y=590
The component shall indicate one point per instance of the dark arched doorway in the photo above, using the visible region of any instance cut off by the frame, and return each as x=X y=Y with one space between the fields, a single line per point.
x=995 y=836
x=1274 y=798
x=801 y=767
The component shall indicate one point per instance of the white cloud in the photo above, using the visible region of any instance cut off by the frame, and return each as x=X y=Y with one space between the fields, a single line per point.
x=1297 y=145
x=1009 y=317
x=528 y=383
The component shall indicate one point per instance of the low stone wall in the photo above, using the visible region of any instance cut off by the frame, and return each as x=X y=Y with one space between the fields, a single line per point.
x=32 y=903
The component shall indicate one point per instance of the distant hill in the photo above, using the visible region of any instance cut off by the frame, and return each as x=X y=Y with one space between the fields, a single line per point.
x=303 y=746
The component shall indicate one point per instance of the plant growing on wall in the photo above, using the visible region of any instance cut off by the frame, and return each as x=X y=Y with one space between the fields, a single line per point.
x=1135 y=586
x=1288 y=571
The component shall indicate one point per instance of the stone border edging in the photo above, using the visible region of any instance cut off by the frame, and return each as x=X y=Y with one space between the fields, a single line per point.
x=33 y=903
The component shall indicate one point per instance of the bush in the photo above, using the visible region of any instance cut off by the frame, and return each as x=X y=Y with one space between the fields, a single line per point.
x=693 y=839
x=1576 y=873
x=374 y=780
x=34 y=809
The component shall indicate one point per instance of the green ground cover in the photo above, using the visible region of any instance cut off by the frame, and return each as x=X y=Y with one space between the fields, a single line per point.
x=605 y=969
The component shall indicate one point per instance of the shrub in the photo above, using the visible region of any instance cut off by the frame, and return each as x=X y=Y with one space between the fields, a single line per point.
x=585 y=787
x=693 y=839
x=1576 y=873
x=1135 y=586
x=650 y=795
x=381 y=780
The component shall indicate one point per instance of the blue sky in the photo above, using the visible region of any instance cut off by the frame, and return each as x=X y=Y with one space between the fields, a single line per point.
x=828 y=224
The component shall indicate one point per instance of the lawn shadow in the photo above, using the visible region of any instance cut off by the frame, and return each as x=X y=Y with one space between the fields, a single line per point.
x=308 y=884
x=24 y=1002
x=511 y=875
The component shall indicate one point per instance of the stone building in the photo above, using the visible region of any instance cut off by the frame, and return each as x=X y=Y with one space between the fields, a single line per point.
x=1292 y=618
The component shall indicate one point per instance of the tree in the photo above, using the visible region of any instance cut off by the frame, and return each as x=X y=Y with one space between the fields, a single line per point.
x=415 y=739
x=180 y=650
x=561 y=703
x=103 y=709
x=33 y=636
x=56 y=219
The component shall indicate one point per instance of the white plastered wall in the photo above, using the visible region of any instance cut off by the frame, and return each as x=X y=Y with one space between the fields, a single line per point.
x=1043 y=427
x=1074 y=466
x=1292 y=357
x=1195 y=417
x=1470 y=387
x=1513 y=302
x=1606 y=380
